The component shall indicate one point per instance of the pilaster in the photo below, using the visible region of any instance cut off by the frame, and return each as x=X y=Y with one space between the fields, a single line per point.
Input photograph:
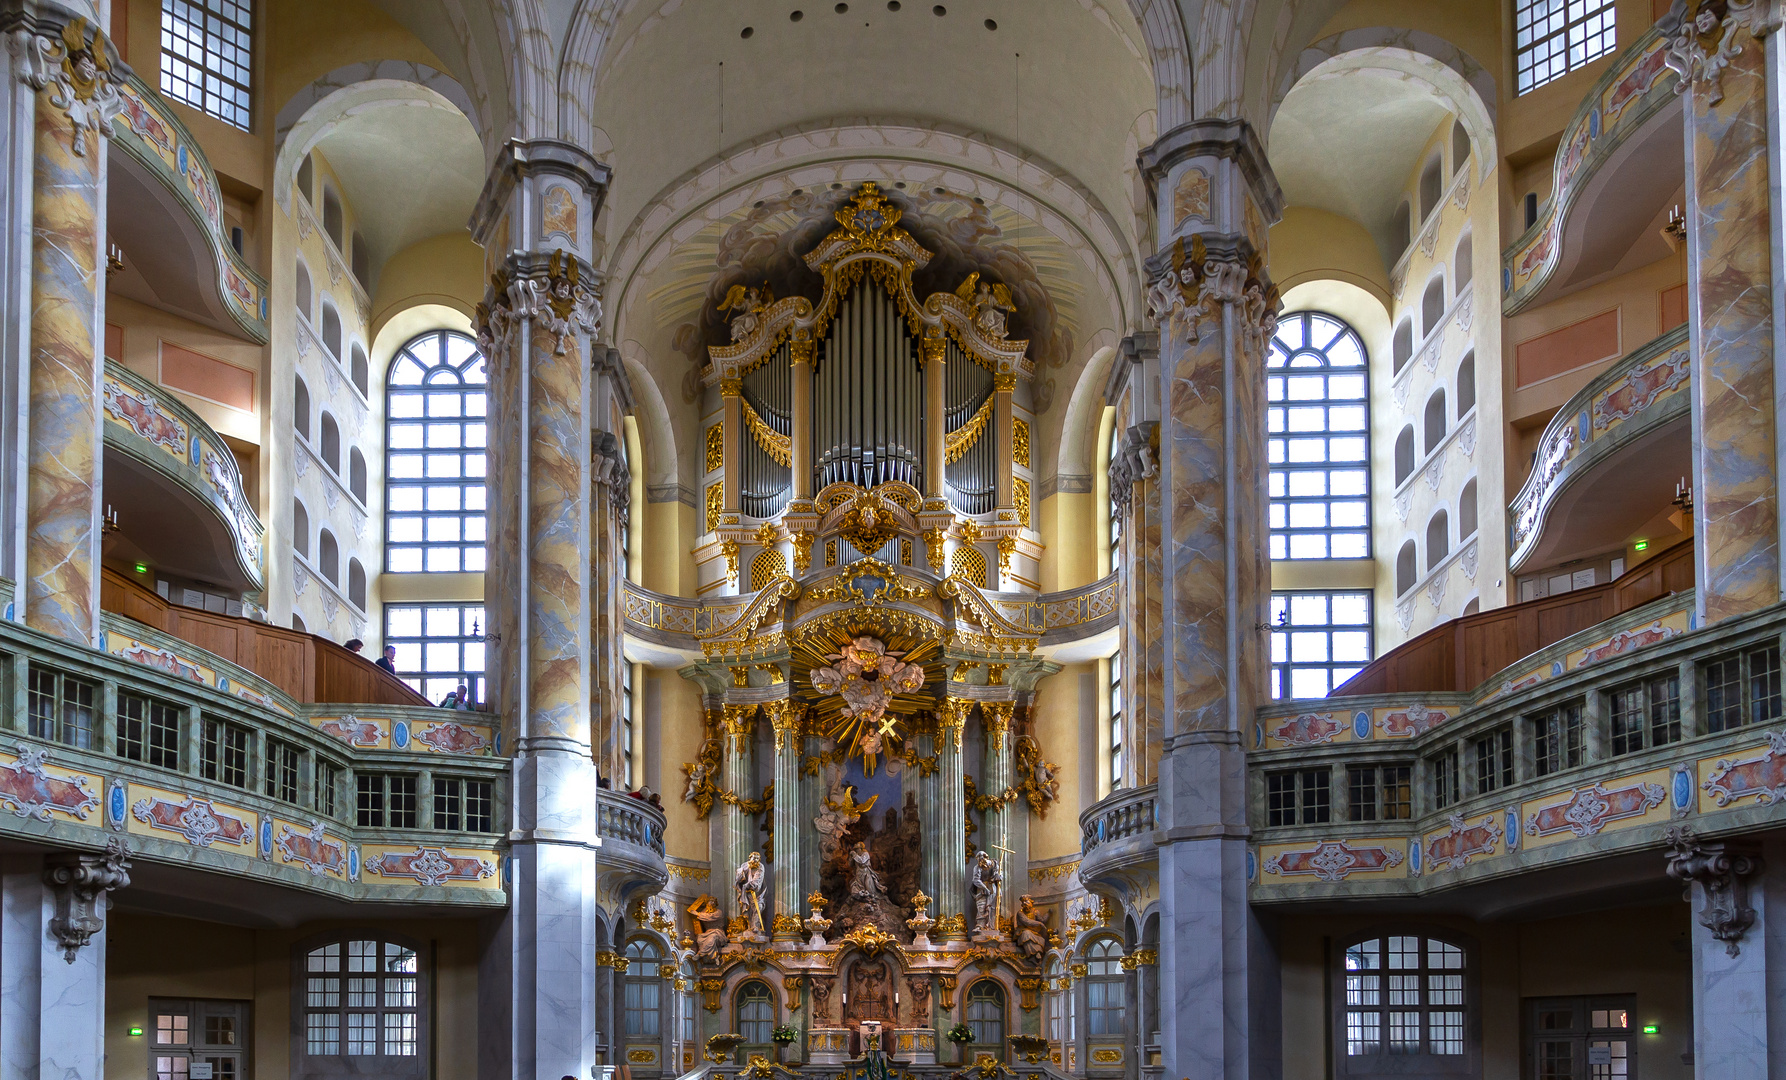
x=789 y=903
x=950 y=891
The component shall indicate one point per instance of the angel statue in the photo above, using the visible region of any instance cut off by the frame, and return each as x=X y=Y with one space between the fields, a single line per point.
x=985 y=881
x=1032 y=931
x=989 y=301
x=748 y=887
x=867 y=677
x=748 y=303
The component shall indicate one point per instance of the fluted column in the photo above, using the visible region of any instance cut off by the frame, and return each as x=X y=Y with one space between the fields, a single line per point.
x=789 y=903
x=59 y=105
x=731 y=403
x=737 y=834
x=950 y=893
x=538 y=325
x=936 y=402
x=1004 y=385
x=1217 y=309
x=1735 y=312
x=801 y=350
x=995 y=832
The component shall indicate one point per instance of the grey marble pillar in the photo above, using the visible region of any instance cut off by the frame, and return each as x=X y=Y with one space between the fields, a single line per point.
x=1216 y=310
x=996 y=835
x=950 y=897
x=737 y=829
x=1738 y=897
x=788 y=904
x=52 y=963
x=538 y=1009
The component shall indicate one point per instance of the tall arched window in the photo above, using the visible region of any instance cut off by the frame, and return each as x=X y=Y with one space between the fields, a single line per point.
x=1466 y=512
x=356 y=473
x=1112 y=510
x=1432 y=306
x=1319 y=440
x=1106 y=989
x=1438 y=540
x=1460 y=146
x=331 y=214
x=364 y=999
x=331 y=329
x=643 y=987
x=1404 y=454
x=1432 y=185
x=755 y=1019
x=1403 y=345
x=1056 y=1022
x=1462 y=263
x=1407 y=570
x=986 y=1017
x=356 y=583
x=1435 y=420
x=1466 y=385
x=300 y=528
x=307 y=179
x=1403 y=1005
x=434 y=463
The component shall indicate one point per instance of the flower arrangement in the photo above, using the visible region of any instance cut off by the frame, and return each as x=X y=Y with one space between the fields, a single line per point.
x=783 y=1034
x=961 y=1033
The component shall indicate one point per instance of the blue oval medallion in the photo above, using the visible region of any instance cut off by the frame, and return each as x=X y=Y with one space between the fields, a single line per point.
x=1252 y=865
x=1258 y=735
x=115 y=804
x=266 y=836
x=400 y=734
x=1361 y=725
x=353 y=864
x=1512 y=830
x=1414 y=857
x=1683 y=788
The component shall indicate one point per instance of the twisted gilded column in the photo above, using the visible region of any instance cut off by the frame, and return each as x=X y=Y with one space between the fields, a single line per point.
x=949 y=895
x=537 y=327
x=60 y=98
x=788 y=906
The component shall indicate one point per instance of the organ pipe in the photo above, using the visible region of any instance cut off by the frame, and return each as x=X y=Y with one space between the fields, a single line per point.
x=868 y=420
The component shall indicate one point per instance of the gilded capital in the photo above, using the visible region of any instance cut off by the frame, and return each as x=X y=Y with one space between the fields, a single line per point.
x=932 y=348
x=731 y=387
x=801 y=349
x=736 y=719
x=1004 y=382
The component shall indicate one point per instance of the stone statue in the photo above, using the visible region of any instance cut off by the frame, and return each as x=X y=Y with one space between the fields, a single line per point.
x=705 y=912
x=748 y=888
x=865 y=884
x=1032 y=932
x=985 y=881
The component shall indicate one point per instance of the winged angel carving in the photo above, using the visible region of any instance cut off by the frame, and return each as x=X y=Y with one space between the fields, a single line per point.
x=990 y=302
x=748 y=306
x=867 y=677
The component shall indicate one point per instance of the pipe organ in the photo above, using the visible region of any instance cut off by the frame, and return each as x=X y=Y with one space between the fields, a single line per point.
x=870 y=389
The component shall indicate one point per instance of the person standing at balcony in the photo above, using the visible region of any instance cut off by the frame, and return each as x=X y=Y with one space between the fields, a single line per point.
x=389 y=660
x=354 y=645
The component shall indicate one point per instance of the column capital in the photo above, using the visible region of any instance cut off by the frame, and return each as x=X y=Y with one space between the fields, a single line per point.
x=1721 y=870
x=519 y=191
x=79 y=880
x=801 y=347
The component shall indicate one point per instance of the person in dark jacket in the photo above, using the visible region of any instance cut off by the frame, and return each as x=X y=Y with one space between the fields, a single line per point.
x=389 y=660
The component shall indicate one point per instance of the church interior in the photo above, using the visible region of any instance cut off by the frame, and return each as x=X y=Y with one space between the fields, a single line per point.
x=884 y=540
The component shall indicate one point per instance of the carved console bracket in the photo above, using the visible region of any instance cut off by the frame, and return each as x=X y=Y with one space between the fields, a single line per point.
x=79 y=880
x=1722 y=872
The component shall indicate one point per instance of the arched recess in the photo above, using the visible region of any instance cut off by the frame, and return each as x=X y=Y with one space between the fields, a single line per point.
x=657 y=439
x=1084 y=415
x=323 y=106
x=1410 y=55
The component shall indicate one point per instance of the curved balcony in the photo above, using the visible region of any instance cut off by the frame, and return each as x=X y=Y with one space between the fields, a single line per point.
x=632 y=849
x=1117 y=844
x=1618 y=164
x=1585 y=802
x=164 y=209
x=201 y=766
x=176 y=488
x=1630 y=430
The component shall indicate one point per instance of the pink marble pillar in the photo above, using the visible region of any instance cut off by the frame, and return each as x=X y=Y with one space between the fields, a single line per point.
x=1731 y=233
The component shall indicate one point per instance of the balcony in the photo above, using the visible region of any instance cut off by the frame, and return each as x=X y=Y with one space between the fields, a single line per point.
x=1631 y=432
x=1117 y=839
x=202 y=767
x=176 y=488
x=632 y=847
x=1504 y=783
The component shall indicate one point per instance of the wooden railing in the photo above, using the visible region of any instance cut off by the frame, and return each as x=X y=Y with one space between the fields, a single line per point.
x=1458 y=655
x=309 y=668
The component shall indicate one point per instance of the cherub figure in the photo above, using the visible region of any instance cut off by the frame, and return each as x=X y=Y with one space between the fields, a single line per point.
x=1032 y=931
x=990 y=301
x=748 y=304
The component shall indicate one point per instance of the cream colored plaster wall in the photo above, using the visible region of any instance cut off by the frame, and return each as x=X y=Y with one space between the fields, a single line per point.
x=680 y=728
x=145 y=328
x=445 y=271
x=1057 y=725
x=667 y=547
x=1068 y=524
x=154 y=956
x=1316 y=245
x=317 y=36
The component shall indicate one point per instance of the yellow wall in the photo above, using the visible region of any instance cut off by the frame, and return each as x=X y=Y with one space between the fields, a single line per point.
x=445 y=271
x=679 y=741
x=1312 y=245
x=1057 y=719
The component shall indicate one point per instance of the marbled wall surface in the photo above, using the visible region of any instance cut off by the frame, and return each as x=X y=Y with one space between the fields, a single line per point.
x=62 y=527
x=1736 y=489
x=557 y=485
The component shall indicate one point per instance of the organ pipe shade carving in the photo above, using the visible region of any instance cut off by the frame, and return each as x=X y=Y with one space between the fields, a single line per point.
x=716 y=497
x=716 y=447
x=1020 y=442
x=766 y=567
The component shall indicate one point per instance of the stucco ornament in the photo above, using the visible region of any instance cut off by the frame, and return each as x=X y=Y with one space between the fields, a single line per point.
x=562 y=303
x=1188 y=284
x=78 y=882
x=1722 y=872
x=1703 y=38
x=867 y=676
x=80 y=73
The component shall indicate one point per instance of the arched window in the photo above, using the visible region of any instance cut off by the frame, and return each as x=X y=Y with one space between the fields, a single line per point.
x=1466 y=512
x=360 y=370
x=641 y=992
x=356 y=473
x=328 y=556
x=331 y=442
x=364 y=1000
x=331 y=329
x=1461 y=259
x=986 y=1017
x=1466 y=384
x=356 y=584
x=1113 y=510
x=1403 y=346
x=1401 y=229
x=1405 y=998
x=1406 y=569
x=1435 y=420
x=306 y=292
x=755 y=1019
x=1432 y=305
x=1056 y=1022
x=362 y=261
x=1432 y=183
x=1318 y=442
x=1106 y=996
x=1460 y=146
x=300 y=408
x=1404 y=455
x=307 y=180
x=434 y=457
x=1438 y=540
x=331 y=215
x=300 y=528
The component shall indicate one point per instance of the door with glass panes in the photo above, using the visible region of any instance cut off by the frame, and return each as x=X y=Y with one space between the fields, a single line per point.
x=1580 y=1038
x=198 y=1040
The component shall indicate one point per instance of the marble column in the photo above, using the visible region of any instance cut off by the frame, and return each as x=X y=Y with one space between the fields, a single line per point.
x=1738 y=898
x=1134 y=486
x=610 y=499
x=1207 y=287
x=52 y=962
x=1733 y=274
x=59 y=100
x=789 y=903
x=537 y=983
x=995 y=831
x=949 y=897
x=737 y=828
